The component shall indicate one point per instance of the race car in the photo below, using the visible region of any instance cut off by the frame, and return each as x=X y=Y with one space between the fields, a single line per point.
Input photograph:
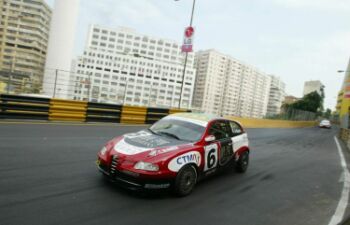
x=325 y=124
x=175 y=153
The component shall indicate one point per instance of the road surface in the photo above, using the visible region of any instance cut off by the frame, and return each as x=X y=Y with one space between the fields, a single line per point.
x=48 y=176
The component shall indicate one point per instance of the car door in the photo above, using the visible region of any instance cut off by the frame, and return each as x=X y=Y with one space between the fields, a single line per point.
x=223 y=139
x=239 y=137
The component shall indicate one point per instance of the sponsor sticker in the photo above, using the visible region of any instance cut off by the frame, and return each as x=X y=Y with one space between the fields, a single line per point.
x=178 y=162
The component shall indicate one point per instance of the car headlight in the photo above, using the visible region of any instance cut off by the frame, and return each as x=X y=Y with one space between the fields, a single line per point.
x=103 y=151
x=146 y=166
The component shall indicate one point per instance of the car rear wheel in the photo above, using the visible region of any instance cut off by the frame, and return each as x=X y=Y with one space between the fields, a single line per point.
x=243 y=162
x=185 y=181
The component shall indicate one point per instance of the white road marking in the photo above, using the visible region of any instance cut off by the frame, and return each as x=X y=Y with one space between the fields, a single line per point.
x=343 y=202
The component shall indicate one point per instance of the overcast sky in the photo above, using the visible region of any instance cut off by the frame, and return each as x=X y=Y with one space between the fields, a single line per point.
x=298 y=40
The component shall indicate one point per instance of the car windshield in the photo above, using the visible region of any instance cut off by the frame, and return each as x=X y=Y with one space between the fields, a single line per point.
x=178 y=129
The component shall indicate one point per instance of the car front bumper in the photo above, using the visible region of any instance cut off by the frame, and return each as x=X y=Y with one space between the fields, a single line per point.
x=130 y=180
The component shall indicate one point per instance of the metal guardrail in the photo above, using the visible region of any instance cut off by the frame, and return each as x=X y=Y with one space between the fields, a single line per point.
x=24 y=107
x=100 y=112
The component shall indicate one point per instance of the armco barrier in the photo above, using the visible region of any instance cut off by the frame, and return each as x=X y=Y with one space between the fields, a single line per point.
x=155 y=114
x=133 y=114
x=100 y=112
x=23 y=107
x=67 y=110
x=264 y=123
x=172 y=111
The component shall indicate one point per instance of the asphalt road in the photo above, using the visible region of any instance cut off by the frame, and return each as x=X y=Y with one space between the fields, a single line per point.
x=48 y=176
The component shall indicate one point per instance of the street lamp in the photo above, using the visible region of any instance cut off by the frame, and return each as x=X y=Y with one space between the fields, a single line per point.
x=343 y=71
x=186 y=55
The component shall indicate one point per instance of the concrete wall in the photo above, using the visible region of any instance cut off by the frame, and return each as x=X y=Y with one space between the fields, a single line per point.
x=264 y=123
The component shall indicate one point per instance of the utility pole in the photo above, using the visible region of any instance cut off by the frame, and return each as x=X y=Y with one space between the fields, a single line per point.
x=54 y=88
x=9 y=80
x=89 y=87
x=186 y=56
x=126 y=85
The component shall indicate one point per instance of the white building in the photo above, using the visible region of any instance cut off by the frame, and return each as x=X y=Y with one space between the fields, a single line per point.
x=276 y=96
x=124 y=66
x=60 y=48
x=311 y=86
x=24 y=34
x=226 y=86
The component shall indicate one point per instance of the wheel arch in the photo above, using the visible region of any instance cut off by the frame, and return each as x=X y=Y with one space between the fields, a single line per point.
x=242 y=150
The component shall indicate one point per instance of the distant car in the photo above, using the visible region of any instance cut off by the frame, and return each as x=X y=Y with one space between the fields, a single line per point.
x=325 y=124
x=175 y=152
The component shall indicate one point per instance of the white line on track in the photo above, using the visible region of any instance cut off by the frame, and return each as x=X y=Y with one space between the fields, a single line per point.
x=343 y=202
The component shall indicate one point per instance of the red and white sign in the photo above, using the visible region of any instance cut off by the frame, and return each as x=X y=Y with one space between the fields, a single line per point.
x=188 y=40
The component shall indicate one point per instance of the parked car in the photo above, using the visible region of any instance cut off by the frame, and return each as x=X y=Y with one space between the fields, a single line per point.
x=325 y=124
x=175 y=152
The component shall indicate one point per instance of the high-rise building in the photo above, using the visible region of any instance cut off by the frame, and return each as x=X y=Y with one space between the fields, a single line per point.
x=276 y=96
x=226 y=86
x=311 y=86
x=61 y=48
x=24 y=33
x=125 y=67
x=290 y=99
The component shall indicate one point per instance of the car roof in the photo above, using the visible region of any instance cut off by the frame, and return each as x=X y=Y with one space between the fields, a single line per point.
x=198 y=118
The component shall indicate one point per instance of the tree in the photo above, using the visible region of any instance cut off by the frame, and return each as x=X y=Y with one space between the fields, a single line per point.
x=312 y=102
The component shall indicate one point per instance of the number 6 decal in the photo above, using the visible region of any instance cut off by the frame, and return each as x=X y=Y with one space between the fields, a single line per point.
x=211 y=156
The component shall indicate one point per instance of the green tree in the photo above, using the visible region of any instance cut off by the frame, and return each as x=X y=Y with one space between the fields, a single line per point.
x=312 y=102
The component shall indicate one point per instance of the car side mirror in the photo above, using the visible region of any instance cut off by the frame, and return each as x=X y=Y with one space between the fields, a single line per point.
x=209 y=138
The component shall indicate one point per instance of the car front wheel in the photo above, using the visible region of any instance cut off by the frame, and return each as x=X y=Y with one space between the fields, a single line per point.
x=185 y=181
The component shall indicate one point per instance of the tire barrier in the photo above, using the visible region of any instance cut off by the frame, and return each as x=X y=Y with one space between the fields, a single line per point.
x=24 y=107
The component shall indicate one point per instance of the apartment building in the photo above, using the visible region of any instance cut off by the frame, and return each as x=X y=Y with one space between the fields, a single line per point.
x=126 y=67
x=24 y=31
x=311 y=86
x=226 y=86
x=276 y=96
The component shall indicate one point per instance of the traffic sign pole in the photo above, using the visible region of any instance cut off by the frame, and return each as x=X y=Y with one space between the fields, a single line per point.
x=186 y=56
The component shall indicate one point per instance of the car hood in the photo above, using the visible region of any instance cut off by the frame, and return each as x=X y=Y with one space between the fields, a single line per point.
x=143 y=141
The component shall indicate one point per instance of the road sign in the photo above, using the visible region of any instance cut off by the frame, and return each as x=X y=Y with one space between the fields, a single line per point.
x=188 y=40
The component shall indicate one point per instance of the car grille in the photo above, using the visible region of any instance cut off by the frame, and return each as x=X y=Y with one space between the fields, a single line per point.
x=114 y=163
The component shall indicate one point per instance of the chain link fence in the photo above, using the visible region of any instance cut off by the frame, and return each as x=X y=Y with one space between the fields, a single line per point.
x=294 y=114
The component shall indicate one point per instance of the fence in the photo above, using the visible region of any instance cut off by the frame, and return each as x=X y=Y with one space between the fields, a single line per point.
x=294 y=115
x=119 y=88
x=24 y=107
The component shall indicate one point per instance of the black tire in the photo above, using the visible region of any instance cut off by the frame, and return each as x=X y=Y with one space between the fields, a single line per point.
x=243 y=162
x=185 y=181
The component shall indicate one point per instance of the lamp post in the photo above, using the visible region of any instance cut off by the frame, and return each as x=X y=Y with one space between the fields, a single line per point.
x=186 y=55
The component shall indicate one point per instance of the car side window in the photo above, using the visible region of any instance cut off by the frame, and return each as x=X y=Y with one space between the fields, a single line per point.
x=220 y=130
x=235 y=128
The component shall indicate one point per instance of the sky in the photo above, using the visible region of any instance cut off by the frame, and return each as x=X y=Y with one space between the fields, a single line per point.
x=297 y=40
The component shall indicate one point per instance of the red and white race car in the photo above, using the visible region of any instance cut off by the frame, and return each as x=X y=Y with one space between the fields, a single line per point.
x=175 y=152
